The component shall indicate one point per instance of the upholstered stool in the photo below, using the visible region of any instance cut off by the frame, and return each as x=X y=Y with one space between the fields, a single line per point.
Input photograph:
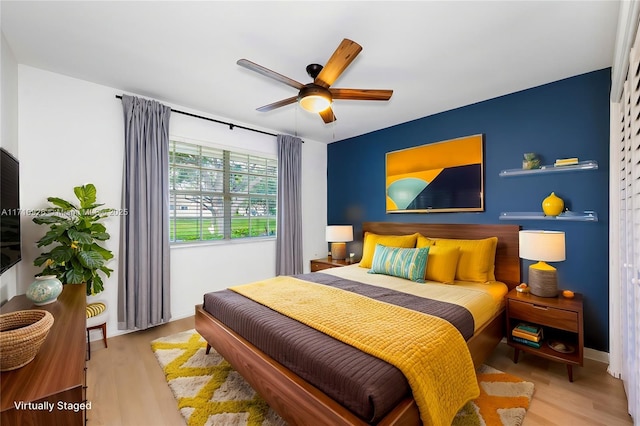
x=97 y=315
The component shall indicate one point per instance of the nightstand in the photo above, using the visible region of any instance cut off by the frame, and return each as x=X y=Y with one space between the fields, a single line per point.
x=561 y=320
x=328 y=262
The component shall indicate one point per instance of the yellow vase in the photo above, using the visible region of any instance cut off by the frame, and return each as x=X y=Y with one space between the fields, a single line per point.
x=552 y=205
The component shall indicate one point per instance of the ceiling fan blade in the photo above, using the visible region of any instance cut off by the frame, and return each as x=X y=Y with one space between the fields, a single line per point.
x=327 y=115
x=268 y=73
x=338 y=62
x=362 y=94
x=278 y=104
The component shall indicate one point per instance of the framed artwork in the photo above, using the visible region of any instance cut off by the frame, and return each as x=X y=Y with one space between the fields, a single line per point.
x=445 y=176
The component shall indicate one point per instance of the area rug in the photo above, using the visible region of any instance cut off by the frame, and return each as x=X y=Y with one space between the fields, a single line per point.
x=209 y=392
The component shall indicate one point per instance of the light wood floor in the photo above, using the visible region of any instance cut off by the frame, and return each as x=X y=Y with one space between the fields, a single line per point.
x=126 y=386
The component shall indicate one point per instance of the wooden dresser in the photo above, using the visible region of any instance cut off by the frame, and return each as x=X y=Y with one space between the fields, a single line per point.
x=56 y=378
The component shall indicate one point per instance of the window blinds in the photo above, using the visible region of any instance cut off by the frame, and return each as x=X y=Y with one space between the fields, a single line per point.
x=627 y=162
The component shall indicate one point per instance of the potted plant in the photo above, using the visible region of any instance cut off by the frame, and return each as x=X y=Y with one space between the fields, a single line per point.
x=78 y=256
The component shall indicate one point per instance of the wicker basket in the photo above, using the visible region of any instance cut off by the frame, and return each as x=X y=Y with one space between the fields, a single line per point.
x=21 y=335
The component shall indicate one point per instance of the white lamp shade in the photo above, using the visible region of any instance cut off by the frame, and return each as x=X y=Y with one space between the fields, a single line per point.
x=315 y=103
x=547 y=246
x=339 y=233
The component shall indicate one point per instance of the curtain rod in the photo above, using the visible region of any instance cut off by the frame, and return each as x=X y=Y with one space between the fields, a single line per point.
x=231 y=125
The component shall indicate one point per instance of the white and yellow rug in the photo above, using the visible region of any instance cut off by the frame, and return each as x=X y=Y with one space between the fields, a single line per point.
x=209 y=392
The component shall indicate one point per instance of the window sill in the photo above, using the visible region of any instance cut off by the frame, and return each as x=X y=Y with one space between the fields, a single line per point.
x=189 y=244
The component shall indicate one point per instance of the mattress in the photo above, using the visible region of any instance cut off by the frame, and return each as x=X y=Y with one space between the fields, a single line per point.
x=367 y=386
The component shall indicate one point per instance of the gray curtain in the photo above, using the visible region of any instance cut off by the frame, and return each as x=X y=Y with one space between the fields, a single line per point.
x=289 y=232
x=143 y=287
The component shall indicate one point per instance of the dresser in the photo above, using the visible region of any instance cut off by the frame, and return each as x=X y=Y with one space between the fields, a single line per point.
x=50 y=390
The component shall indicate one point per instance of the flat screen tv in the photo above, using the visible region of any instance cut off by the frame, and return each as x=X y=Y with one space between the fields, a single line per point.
x=9 y=211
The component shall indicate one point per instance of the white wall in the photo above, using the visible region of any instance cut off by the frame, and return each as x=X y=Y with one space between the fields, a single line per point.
x=8 y=98
x=8 y=138
x=71 y=133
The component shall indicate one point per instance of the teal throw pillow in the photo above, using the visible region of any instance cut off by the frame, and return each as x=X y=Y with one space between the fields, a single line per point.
x=408 y=263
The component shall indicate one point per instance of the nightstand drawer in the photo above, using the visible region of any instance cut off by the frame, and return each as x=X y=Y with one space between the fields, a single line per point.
x=316 y=266
x=544 y=315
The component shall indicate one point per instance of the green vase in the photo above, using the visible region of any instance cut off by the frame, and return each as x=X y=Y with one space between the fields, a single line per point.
x=44 y=290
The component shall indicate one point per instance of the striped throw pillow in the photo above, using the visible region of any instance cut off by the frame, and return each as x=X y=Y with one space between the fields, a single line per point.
x=94 y=309
x=408 y=263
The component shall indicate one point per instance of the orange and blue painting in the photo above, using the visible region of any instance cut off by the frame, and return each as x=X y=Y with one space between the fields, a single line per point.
x=443 y=176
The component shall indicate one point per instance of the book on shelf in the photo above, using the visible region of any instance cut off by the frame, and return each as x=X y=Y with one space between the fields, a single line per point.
x=526 y=342
x=566 y=161
x=528 y=328
x=531 y=337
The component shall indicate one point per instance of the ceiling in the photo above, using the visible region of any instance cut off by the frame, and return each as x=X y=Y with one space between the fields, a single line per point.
x=435 y=55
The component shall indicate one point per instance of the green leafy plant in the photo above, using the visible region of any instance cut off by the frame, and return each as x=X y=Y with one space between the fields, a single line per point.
x=78 y=257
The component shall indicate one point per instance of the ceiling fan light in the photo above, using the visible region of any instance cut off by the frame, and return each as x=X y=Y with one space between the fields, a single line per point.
x=314 y=98
x=315 y=103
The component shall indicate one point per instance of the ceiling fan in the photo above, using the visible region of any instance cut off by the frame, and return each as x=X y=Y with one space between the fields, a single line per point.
x=318 y=96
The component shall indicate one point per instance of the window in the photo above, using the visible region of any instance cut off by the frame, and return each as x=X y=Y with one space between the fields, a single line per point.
x=217 y=194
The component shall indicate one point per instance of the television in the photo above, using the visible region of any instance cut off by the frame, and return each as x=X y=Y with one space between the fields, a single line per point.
x=10 y=252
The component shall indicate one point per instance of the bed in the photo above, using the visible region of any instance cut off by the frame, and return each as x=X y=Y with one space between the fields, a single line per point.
x=297 y=400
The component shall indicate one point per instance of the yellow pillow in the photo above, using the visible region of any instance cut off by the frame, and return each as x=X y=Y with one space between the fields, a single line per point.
x=442 y=263
x=424 y=241
x=371 y=239
x=477 y=258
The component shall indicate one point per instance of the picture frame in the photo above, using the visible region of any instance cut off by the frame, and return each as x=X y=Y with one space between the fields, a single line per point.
x=445 y=176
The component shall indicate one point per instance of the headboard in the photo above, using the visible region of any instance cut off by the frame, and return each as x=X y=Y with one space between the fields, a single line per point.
x=507 y=252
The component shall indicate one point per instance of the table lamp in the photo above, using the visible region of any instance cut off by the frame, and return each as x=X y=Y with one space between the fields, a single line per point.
x=542 y=246
x=338 y=236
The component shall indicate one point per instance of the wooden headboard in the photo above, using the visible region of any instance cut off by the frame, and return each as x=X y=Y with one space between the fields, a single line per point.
x=507 y=253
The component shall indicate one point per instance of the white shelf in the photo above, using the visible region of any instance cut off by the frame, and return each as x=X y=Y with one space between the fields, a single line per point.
x=582 y=165
x=586 y=216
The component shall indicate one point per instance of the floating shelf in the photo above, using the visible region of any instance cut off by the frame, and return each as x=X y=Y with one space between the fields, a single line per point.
x=586 y=216
x=582 y=165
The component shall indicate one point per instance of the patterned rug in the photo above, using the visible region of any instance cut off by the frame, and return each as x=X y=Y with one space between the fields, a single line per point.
x=209 y=392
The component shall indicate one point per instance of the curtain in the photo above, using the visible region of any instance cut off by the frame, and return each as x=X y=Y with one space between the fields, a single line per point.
x=289 y=226
x=143 y=287
x=625 y=234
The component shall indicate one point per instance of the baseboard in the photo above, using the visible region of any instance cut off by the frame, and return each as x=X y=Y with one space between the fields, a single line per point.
x=596 y=355
x=589 y=353
x=114 y=333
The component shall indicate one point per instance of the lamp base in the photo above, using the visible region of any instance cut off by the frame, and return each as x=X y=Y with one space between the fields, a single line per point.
x=339 y=251
x=543 y=282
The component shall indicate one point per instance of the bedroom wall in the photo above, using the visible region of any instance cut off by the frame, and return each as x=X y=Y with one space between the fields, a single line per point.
x=567 y=118
x=71 y=133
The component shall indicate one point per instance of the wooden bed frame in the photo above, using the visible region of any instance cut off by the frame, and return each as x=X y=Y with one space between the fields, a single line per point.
x=297 y=401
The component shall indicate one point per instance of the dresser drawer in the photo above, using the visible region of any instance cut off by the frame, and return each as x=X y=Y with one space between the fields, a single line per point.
x=544 y=315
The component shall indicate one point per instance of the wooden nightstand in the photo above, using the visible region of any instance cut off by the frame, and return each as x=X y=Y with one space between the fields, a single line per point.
x=328 y=262
x=561 y=320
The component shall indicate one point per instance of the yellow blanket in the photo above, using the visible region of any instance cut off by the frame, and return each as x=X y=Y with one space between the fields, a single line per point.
x=429 y=351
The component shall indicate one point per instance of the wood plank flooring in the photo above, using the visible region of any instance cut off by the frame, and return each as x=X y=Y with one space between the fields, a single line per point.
x=126 y=385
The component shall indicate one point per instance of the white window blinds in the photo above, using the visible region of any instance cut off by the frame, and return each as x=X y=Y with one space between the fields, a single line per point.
x=625 y=301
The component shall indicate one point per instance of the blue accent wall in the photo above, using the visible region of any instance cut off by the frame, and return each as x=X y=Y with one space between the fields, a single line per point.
x=567 y=118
